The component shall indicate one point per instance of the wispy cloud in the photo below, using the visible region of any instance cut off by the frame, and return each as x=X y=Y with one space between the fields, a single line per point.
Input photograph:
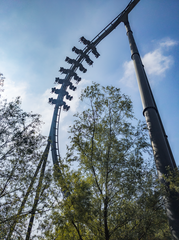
x=30 y=102
x=168 y=42
x=12 y=90
x=128 y=78
x=156 y=63
x=38 y=103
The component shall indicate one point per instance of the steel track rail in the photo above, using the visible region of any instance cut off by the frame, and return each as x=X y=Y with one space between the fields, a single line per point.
x=66 y=82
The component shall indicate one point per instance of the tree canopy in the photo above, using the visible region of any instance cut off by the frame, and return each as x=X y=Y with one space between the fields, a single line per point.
x=20 y=152
x=113 y=192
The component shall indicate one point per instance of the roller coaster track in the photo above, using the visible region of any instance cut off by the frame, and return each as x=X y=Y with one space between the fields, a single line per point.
x=83 y=55
x=171 y=202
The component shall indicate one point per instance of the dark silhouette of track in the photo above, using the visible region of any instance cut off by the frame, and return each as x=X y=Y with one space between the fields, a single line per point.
x=60 y=104
x=76 y=64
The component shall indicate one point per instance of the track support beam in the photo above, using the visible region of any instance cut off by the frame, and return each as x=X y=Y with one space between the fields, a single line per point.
x=161 y=149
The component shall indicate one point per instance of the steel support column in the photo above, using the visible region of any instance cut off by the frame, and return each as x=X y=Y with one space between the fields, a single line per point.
x=161 y=149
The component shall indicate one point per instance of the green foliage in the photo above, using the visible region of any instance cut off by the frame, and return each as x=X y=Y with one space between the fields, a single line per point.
x=114 y=192
x=20 y=152
x=173 y=179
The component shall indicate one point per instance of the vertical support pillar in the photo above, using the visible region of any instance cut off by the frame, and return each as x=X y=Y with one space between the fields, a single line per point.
x=161 y=149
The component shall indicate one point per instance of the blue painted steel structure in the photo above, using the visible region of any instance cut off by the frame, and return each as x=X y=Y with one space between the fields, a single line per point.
x=161 y=148
x=162 y=152
x=163 y=156
x=83 y=55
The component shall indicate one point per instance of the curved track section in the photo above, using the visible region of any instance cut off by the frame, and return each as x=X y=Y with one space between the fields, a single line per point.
x=83 y=55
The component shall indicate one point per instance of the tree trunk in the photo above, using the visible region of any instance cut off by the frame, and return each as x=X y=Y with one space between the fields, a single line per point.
x=106 y=219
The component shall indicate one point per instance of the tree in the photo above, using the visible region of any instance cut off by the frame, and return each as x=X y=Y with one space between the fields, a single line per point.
x=20 y=152
x=114 y=192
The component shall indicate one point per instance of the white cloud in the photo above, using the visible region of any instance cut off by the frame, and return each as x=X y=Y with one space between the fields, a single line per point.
x=30 y=102
x=129 y=75
x=38 y=103
x=168 y=42
x=156 y=63
x=12 y=90
x=74 y=104
x=66 y=118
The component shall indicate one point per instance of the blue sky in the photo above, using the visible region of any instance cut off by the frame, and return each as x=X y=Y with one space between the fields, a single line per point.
x=37 y=35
